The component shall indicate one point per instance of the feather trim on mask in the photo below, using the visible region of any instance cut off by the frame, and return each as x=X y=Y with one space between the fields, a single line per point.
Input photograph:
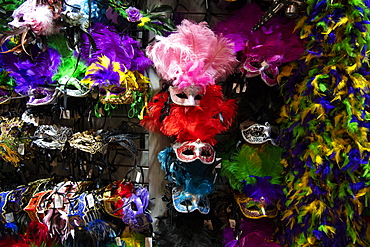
x=188 y=123
x=125 y=50
x=30 y=74
x=193 y=55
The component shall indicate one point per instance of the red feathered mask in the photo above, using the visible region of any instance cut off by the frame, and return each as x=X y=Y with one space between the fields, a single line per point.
x=213 y=116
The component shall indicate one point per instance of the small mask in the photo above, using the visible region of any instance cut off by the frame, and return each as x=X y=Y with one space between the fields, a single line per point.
x=258 y=133
x=256 y=208
x=191 y=151
x=73 y=87
x=266 y=67
x=43 y=96
x=52 y=137
x=134 y=213
x=188 y=96
x=88 y=141
x=185 y=202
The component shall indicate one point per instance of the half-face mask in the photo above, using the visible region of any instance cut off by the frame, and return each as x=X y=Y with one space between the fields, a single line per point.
x=191 y=151
x=189 y=96
x=115 y=197
x=258 y=133
x=39 y=18
x=11 y=143
x=267 y=67
x=43 y=96
x=123 y=139
x=52 y=136
x=88 y=141
x=256 y=208
x=72 y=87
x=185 y=202
x=134 y=214
x=260 y=199
x=116 y=84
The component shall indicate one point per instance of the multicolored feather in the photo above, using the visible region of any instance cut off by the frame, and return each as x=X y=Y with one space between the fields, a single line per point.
x=117 y=47
x=326 y=119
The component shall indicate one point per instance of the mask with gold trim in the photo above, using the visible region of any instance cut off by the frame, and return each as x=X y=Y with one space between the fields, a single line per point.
x=261 y=199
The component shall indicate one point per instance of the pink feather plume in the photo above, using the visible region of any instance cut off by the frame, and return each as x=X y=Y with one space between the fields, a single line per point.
x=194 y=52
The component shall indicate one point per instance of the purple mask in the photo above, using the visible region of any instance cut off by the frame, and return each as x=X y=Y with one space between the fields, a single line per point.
x=134 y=213
x=43 y=96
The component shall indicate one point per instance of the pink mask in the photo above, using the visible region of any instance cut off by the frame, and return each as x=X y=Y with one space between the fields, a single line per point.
x=188 y=96
x=190 y=151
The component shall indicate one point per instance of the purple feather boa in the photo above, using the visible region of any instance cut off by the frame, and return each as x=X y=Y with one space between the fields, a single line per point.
x=117 y=47
x=31 y=73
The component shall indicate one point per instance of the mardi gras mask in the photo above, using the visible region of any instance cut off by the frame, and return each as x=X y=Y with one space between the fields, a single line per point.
x=43 y=96
x=134 y=213
x=256 y=208
x=185 y=202
x=190 y=151
x=72 y=87
x=189 y=96
x=255 y=65
x=258 y=133
x=14 y=199
x=39 y=18
x=10 y=140
x=125 y=140
x=88 y=141
x=116 y=83
x=51 y=136
x=260 y=198
x=77 y=209
x=116 y=196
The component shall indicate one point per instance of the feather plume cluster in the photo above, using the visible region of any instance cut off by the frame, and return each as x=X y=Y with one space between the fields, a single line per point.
x=189 y=123
x=270 y=46
x=70 y=66
x=117 y=47
x=252 y=162
x=192 y=55
x=31 y=73
x=40 y=18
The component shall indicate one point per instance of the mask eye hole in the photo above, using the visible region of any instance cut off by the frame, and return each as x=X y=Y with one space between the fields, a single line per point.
x=188 y=152
x=186 y=203
x=198 y=97
x=182 y=95
x=253 y=208
x=256 y=64
x=206 y=153
x=133 y=206
x=21 y=19
x=201 y=204
x=270 y=207
x=39 y=96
